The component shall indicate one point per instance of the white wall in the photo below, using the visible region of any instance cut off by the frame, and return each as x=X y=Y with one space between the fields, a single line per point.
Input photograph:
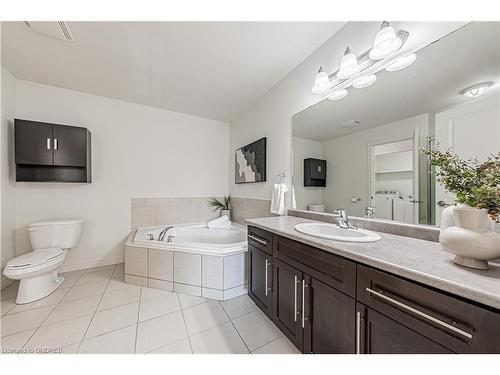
x=348 y=162
x=271 y=115
x=137 y=151
x=7 y=187
x=303 y=149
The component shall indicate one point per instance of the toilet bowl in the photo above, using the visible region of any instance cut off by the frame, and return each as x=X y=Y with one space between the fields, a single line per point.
x=37 y=270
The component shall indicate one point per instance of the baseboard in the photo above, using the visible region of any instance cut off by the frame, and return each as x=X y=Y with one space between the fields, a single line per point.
x=91 y=263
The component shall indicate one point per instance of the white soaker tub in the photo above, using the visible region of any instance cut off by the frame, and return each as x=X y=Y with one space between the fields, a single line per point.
x=204 y=262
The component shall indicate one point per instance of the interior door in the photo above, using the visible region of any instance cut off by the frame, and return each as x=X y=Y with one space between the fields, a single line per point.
x=70 y=146
x=287 y=301
x=33 y=142
x=472 y=130
x=260 y=279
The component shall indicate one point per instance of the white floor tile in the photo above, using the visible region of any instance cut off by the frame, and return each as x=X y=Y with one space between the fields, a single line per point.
x=52 y=299
x=113 y=319
x=179 y=347
x=13 y=343
x=238 y=306
x=159 y=332
x=69 y=280
x=109 y=267
x=93 y=277
x=188 y=301
x=116 y=342
x=223 y=339
x=23 y=321
x=278 y=346
x=60 y=334
x=119 y=298
x=157 y=306
x=73 y=309
x=256 y=329
x=6 y=306
x=151 y=293
x=118 y=283
x=204 y=316
x=86 y=290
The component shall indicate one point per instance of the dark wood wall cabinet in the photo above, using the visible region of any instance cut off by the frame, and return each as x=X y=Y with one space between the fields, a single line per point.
x=47 y=152
x=328 y=304
x=314 y=172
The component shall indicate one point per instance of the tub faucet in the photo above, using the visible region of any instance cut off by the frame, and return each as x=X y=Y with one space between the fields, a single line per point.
x=369 y=212
x=343 y=219
x=164 y=231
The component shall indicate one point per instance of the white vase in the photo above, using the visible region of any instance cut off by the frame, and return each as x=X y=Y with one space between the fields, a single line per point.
x=226 y=213
x=471 y=238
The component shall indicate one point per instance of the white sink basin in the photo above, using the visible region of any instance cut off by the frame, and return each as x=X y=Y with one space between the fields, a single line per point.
x=334 y=232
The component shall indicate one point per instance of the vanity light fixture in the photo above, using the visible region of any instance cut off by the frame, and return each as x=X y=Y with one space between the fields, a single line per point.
x=337 y=94
x=364 y=81
x=476 y=90
x=401 y=63
x=386 y=42
x=348 y=65
x=321 y=82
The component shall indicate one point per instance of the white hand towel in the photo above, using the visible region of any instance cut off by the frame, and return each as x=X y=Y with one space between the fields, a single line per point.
x=294 y=201
x=278 y=199
x=220 y=222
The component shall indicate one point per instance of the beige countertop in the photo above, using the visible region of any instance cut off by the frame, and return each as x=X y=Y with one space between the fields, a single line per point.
x=422 y=261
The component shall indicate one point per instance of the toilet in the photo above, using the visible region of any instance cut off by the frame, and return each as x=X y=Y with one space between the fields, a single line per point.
x=37 y=270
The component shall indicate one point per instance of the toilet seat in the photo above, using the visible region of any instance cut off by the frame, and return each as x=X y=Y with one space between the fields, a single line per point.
x=35 y=258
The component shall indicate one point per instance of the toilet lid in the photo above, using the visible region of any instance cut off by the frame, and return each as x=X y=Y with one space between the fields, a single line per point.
x=34 y=258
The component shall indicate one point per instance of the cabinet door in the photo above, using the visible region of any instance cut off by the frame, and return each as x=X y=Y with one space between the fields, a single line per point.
x=260 y=279
x=329 y=319
x=287 y=301
x=33 y=142
x=378 y=334
x=70 y=146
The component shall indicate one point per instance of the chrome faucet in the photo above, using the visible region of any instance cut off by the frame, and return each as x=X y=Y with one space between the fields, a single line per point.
x=343 y=219
x=369 y=212
x=164 y=231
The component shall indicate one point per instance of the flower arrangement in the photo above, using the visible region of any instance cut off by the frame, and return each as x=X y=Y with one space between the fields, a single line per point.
x=219 y=204
x=476 y=184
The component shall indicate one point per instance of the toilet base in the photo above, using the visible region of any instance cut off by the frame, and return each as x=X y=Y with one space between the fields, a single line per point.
x=36 y=288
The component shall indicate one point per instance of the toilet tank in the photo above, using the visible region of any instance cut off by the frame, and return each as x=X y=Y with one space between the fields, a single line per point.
x=64 y=233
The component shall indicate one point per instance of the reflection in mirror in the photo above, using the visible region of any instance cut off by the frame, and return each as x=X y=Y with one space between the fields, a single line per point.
x=370 y=142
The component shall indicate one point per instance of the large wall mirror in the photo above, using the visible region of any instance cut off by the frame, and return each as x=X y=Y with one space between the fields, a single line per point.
x=370 y=142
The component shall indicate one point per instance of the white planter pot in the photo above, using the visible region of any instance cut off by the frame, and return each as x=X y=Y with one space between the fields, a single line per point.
x=471 y=238
x=226 y=213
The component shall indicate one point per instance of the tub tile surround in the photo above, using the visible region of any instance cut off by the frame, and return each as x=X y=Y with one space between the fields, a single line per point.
x=215 y=277
x=249 y=208
x=123 y=318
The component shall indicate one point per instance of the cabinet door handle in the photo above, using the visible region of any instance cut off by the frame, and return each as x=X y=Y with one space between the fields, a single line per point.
x=55 y=143
x=358 y=332
x=48 y=143
x=267 y=265
x=419 y=313
x=304 y=318
x=295 y=312
x=257 y=240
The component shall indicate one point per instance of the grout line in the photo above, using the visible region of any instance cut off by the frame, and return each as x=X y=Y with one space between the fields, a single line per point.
x=137 y=323
x=236 y=329
x=267 y=343
x=185 y=325
x=172 y=343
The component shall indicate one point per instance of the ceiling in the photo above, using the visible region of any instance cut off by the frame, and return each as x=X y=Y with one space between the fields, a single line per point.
x=210 y=69
x=434 y=81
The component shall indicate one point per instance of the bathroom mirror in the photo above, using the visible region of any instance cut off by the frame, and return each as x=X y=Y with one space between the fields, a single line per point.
x=372 y=138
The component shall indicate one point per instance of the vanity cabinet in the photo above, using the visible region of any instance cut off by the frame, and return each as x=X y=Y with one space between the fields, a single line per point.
x=328 y=304
x=46 y=152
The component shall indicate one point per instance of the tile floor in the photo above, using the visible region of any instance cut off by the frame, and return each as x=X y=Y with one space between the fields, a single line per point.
x=94 y=311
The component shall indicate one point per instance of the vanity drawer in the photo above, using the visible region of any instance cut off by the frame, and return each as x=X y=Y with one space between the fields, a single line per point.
x=331 y=269
x=460 y=326
x=260 y=239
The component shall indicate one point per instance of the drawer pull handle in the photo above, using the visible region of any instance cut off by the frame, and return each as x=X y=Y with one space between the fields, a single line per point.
x=295 y=298
x=267 y=289
x=420 y=313
x=358 y=332
x=258 y=240
x=304 y=318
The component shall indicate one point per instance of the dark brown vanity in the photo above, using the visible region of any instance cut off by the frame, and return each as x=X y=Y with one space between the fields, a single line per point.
x=325 y=303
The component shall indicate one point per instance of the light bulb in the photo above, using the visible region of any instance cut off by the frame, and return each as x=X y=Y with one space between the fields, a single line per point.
x=337 y=94
x=476 y=90
x=364 y=81
x=401 y=63
x=348 y=65
x=386 y=42
x=321 y=82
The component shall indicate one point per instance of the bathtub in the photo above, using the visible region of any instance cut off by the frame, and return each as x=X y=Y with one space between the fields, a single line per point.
x=209 y=263
x=196 y=239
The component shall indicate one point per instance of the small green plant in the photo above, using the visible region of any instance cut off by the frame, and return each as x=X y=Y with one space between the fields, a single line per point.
x=476 y=184
x=219 y=203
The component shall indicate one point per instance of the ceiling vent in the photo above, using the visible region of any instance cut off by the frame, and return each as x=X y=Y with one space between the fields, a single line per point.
x=350 y=124
x=55 y=29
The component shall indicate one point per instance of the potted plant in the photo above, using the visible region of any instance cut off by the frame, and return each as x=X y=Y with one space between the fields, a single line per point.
x=221 y=204
x=476 y=186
